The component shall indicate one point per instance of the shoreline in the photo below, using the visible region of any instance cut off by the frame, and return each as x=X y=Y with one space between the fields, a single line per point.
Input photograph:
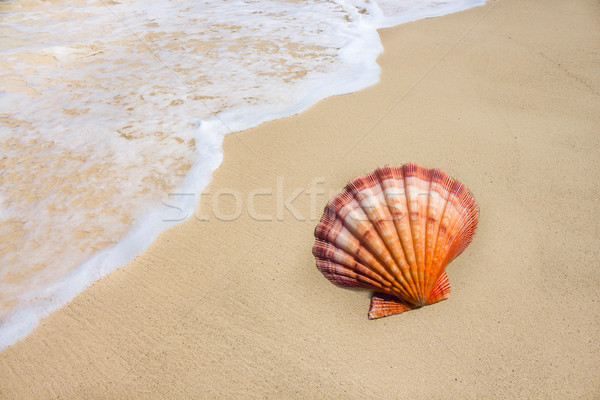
x=503 y=99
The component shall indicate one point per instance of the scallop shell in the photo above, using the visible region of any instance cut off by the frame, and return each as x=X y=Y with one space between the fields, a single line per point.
x=394 y=231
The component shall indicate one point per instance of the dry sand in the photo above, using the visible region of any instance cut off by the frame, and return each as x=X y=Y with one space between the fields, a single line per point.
x=504 y=97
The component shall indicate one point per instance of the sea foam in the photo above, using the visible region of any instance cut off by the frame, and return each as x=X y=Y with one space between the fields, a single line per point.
x=109 y=107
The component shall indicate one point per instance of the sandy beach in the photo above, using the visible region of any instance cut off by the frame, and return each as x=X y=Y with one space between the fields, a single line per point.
x=229 y=304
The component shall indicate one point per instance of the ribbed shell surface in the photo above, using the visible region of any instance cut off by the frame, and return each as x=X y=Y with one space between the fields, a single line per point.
x=394 y=231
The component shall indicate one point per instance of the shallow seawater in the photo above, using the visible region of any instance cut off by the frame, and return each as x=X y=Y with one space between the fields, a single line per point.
x=107 y=108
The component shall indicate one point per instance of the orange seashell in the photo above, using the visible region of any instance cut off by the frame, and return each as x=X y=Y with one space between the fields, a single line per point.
x=394 y=231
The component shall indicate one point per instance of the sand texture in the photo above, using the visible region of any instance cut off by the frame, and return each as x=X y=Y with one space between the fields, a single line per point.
x=504 y=97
